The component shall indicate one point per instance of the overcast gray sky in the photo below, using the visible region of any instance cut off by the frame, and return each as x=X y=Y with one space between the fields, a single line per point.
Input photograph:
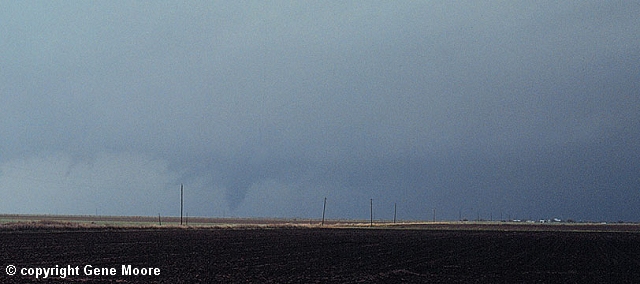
x=528 y=109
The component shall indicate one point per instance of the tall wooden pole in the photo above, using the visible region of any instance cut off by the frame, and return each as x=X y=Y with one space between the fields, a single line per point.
x=181 y=202
x=434 y=215
x=395 y=211
x=324 y=207
x=371 y=209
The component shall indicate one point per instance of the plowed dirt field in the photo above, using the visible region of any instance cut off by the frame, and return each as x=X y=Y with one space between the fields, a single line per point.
x=321 y=255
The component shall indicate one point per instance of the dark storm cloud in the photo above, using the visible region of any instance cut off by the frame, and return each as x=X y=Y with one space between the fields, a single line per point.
x=263 y=109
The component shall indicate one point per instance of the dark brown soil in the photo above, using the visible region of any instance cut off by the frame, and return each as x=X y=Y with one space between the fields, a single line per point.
x=308 y=255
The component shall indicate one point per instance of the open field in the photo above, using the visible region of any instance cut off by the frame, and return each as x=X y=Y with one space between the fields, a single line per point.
x=8 y=221
x=149 y=221
x=432 y=253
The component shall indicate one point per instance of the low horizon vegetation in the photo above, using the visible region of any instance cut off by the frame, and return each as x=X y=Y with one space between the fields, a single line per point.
x=74 y=222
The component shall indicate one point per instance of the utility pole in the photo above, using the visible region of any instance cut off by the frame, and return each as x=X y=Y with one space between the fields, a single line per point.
x=395 y=211
x=371 y=209
x=434 y=215
x=181 y=202
x=324 y=207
